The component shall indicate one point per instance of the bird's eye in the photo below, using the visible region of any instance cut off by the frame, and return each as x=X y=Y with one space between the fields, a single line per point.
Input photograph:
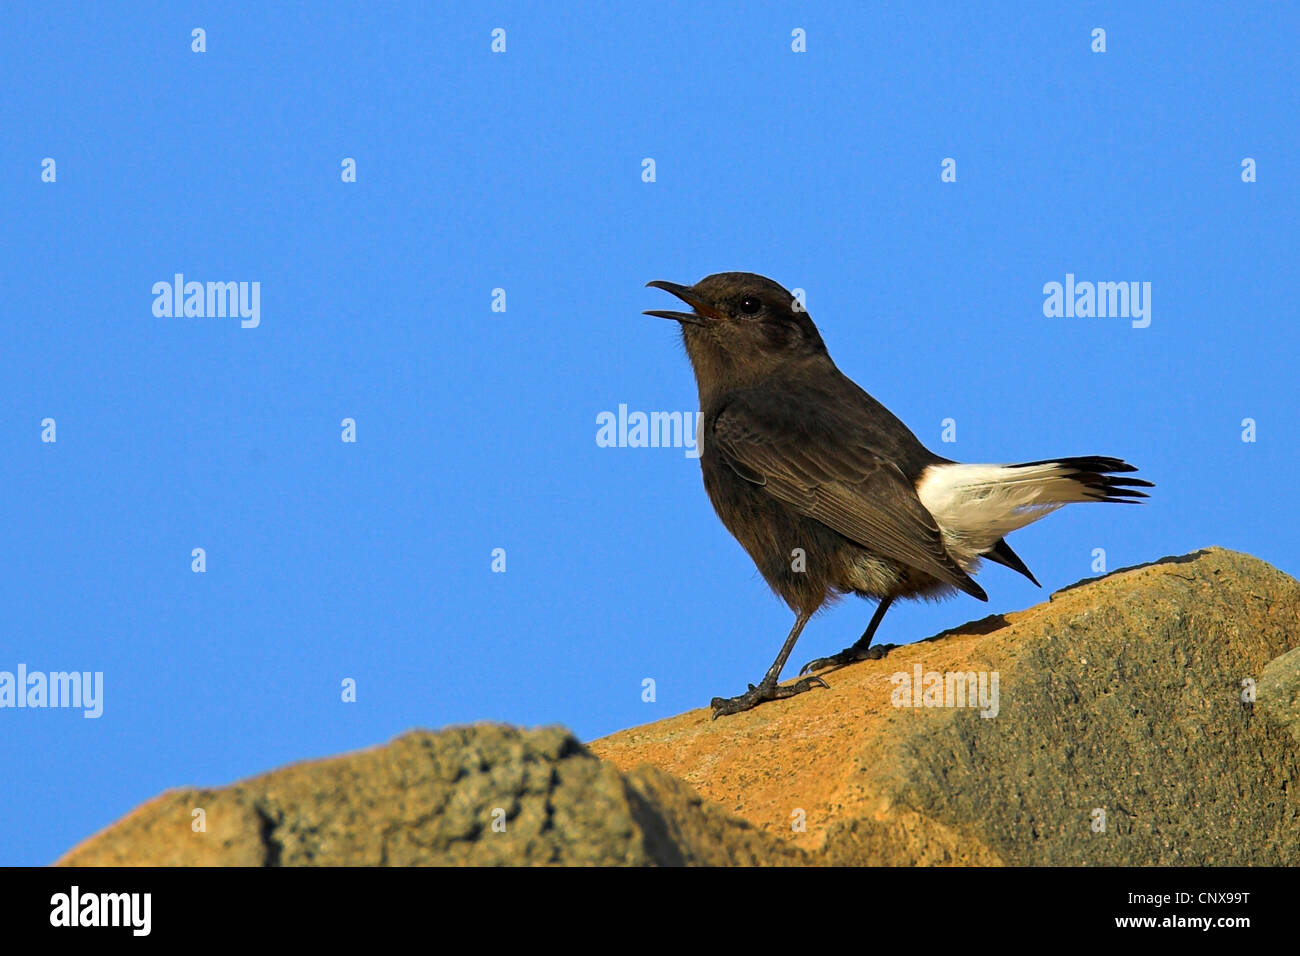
x=750 y=305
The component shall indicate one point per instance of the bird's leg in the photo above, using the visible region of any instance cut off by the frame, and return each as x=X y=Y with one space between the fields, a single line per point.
x=768 y=689
x=861 y=651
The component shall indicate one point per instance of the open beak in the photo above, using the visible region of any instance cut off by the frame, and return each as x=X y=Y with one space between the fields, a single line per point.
x=687 y=295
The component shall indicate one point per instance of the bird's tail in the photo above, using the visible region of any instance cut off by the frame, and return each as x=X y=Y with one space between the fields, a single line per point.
x=976 y=505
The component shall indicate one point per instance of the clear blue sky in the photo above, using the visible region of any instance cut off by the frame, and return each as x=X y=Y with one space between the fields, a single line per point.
x=477 y=429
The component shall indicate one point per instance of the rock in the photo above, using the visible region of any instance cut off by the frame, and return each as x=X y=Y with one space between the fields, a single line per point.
x=1118 y=734
x=433 y=798
x=1278 y=691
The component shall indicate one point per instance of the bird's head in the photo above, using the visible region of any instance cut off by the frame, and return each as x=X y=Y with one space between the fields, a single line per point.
x=741 y=328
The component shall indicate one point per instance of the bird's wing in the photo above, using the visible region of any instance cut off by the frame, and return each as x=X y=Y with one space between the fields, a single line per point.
x=831 y=477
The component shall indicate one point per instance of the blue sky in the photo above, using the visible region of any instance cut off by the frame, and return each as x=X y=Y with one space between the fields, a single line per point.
x=476 y=429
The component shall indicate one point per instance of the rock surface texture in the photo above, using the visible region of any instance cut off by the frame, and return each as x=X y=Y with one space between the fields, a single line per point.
x=1123 y=732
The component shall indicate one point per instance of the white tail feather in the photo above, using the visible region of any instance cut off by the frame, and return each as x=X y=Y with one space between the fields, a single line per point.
x=975 y=505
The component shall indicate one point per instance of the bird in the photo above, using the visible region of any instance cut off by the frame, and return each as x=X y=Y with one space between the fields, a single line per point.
x=828 y=492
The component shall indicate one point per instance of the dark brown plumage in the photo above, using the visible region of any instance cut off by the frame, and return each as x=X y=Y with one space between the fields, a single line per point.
x=798 y=460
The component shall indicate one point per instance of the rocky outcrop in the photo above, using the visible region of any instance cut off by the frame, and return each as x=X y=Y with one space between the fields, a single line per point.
x=478 y=795
x=1148 y=717
x=1121 y=734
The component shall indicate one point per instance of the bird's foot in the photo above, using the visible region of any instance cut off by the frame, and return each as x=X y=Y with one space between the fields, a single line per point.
x=850 y=655
x=722 y=706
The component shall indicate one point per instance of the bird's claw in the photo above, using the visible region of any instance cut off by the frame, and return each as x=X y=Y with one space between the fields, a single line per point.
x=724 y=706
x=850 y=655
